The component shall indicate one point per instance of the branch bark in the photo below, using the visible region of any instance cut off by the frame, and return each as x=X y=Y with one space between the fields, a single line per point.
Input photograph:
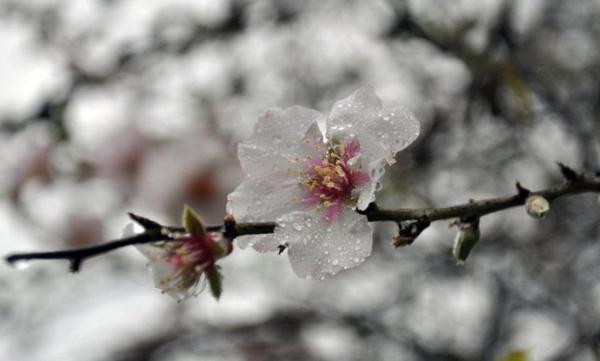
x=574 y=183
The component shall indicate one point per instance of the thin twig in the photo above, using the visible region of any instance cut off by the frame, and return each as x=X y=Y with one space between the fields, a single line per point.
x=574 y=183
x=481 y=207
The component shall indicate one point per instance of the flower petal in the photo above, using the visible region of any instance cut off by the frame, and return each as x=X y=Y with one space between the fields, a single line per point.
x=262 y=201
x=396 y=128
x=277 y=140
x=318 y=249
x=393 y=127
x=355 y=110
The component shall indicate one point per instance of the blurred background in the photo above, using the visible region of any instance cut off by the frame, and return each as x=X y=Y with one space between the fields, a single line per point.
x=109 y=106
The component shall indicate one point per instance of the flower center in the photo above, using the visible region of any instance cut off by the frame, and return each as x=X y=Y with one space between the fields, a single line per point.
x=329 y=181
x=190 y=256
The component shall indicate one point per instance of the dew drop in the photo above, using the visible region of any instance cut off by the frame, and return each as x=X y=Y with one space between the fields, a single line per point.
x=335 y=261
x=297 y=226
x=356 y=260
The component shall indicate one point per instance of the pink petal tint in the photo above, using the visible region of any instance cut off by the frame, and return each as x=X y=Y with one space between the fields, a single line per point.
x=330 y=180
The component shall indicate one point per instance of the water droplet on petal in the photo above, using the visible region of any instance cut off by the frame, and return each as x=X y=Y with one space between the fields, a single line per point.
x=335 y=261
x=297 y=226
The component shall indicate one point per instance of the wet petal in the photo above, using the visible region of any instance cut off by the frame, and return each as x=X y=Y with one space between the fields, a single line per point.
x=333 y=212
x=152 y=253
x=277 y=140
x=355 y=110
x=396 y=128
x=261 y=201
x=393 y=127
x=318 y=249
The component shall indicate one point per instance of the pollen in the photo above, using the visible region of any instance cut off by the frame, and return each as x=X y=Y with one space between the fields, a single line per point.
x=331 y=180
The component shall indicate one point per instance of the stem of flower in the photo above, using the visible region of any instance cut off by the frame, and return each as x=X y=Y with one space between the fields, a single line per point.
x=574 y=183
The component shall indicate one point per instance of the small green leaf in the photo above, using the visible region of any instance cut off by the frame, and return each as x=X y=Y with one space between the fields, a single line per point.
x=515 y=356
x=213 y=274
x=193 y=222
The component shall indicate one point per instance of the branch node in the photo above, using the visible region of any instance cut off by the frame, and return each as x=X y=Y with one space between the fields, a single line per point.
x=568 y=173
x=229 y=223
x=408 y=231
x=146 y=223
x=75 y=264
x=523 y=192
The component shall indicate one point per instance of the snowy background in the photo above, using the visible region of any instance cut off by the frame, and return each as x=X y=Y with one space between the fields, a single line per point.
x=110 y=106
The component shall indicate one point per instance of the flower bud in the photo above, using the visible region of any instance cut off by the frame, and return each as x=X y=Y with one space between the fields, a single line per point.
x=537 y=206
x=466 y=238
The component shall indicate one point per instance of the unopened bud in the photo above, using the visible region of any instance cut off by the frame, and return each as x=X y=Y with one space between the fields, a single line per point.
x=537 y=206
x=466 y=238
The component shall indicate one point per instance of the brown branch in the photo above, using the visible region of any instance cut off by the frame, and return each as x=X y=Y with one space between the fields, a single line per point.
x=412 y=221
x=482 y=207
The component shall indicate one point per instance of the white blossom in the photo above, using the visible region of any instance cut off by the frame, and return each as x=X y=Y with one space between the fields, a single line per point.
x=312 y=183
